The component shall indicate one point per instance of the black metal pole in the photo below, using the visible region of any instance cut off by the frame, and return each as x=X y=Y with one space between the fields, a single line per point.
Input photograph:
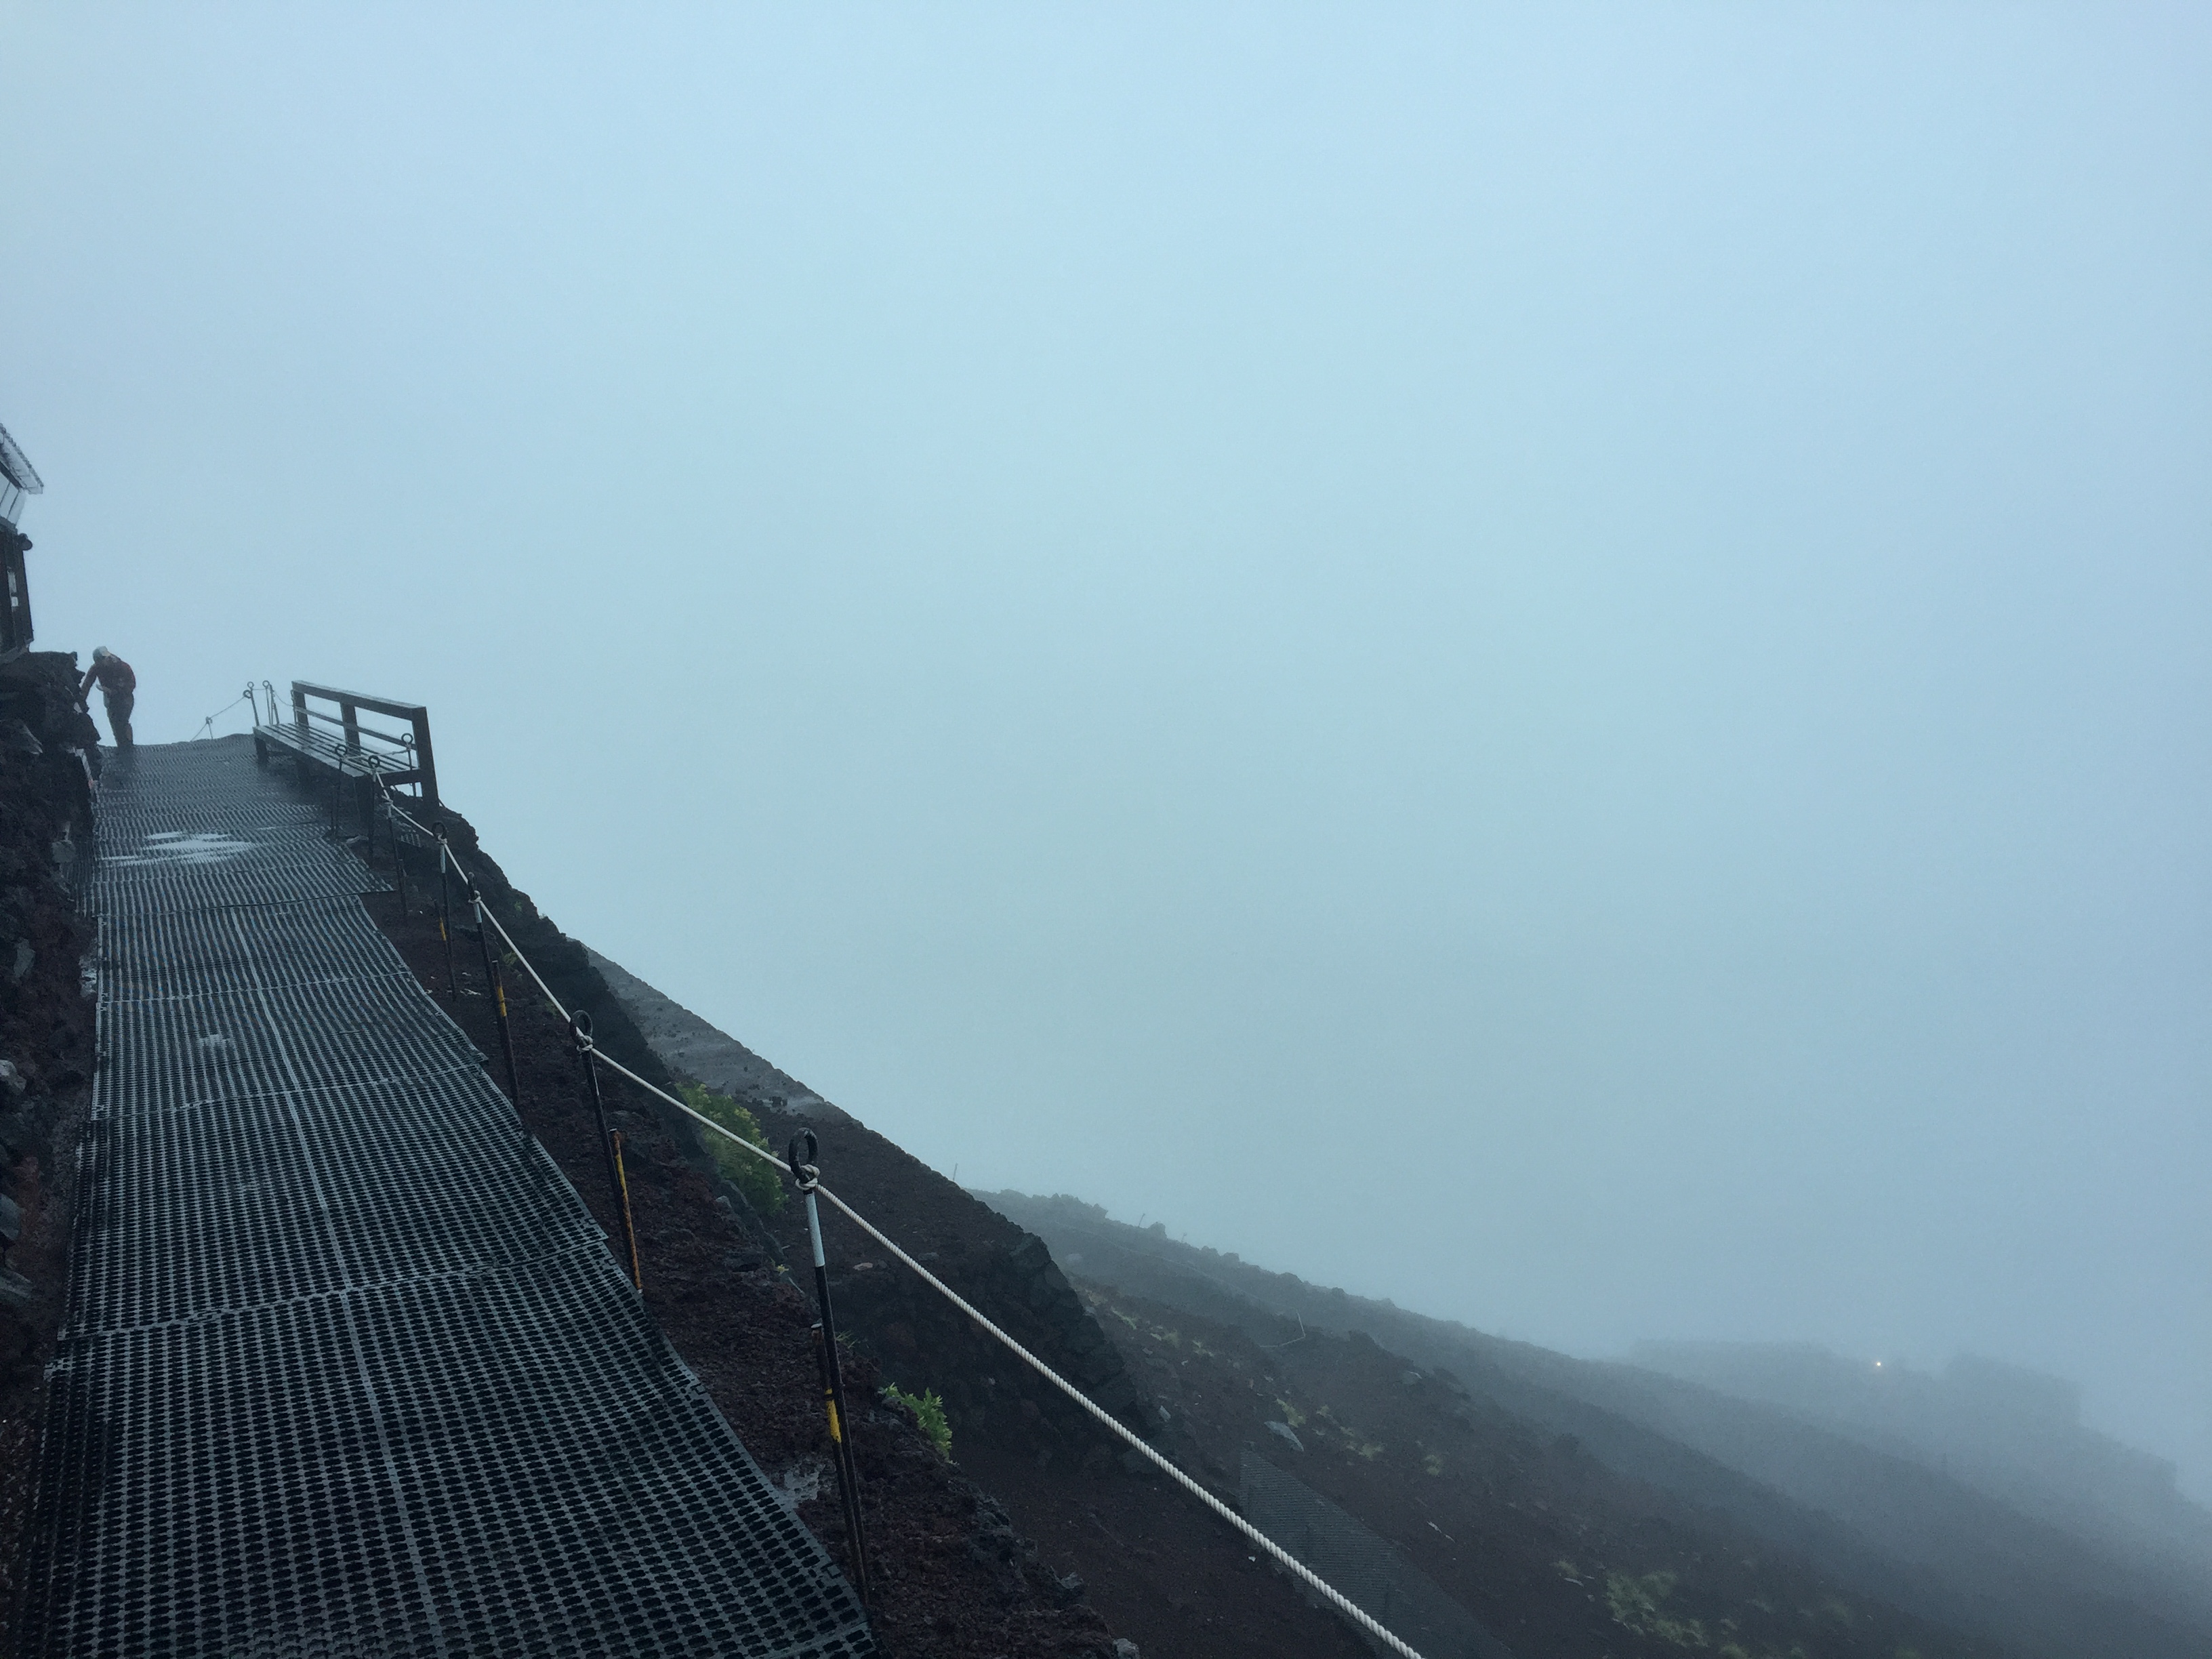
x=398 y=863
x=446 y=919
x=498 y=995
x=630 y=1226
x=848 y=1500
x=580 y=1026
x=802 y=1151
x=392 y=825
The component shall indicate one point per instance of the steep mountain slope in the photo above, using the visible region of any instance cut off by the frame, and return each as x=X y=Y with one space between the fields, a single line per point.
x=1554 y=1552
x=1578 y=1512
x=1884 y=1526
x=2011 y=1433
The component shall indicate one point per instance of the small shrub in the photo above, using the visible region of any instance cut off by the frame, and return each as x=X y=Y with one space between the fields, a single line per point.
x=928 y=1413
x=756 y=1178
x=1635 y=1604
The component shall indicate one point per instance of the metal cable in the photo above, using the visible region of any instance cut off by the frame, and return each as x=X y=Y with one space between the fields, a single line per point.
x=1342 y=1603
x=484 y=910
x=1313 y=1580
x=207 y=724
x=1335 y=1598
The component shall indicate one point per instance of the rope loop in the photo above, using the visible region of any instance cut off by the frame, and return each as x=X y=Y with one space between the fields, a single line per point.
x=804 y=1174
x=580 y=1027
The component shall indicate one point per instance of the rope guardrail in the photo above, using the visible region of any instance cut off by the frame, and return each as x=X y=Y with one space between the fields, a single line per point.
x=811 y=1184
x=205 y=729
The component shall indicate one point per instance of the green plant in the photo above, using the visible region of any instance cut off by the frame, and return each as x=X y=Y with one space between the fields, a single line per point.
x=928 y=1413
x=755 y=1177
x=1635 y=1604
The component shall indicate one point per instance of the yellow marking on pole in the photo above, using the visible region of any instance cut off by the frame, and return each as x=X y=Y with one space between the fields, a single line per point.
x=630 y=1226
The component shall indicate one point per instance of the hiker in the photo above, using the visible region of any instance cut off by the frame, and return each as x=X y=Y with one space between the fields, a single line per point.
x=118 y=688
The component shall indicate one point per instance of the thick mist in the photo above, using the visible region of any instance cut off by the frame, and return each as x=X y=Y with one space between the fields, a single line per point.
x=1552 y=665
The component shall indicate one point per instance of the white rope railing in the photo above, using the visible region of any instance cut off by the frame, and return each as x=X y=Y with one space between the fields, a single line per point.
x=1305 y=1574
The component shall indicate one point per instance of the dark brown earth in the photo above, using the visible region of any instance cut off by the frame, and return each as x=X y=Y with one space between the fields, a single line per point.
x=980 y=1558
x=1548 y=1547
x=1555 y=1553
x=1166 y=1572
x=952 y=1578
x=46 y=1038
x=1163 y=1571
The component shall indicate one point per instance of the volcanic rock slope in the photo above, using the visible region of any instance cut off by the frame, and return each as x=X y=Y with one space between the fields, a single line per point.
x=1551 y=1548
x=1565 y=1526
x=47 y=1038
x=1873 y=1526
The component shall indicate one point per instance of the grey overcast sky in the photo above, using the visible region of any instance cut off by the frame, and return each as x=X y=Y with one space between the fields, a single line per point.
x=1550 y=661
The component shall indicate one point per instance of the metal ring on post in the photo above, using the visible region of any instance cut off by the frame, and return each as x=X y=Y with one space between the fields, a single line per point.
x=804 y=1174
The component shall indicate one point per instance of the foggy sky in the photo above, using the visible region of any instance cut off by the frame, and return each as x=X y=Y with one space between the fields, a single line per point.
x=1549 y=663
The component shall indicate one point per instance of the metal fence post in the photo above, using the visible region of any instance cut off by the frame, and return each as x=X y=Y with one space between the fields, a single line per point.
x=801 y=1155
x=630 y=1226
x=498 y=995
x=391 y=826
x=580 y=1026
x=445 y=917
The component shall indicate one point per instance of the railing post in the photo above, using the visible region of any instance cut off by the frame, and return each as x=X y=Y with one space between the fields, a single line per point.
x=349 y=715
x=801 y=1155
x=498 y=995
x=446 y=916
x=580 y=1027
x=392 y=825
x=629 y=1227
x=428 y=782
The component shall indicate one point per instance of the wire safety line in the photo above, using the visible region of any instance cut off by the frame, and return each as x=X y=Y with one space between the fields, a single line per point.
x=207 y=724
x=485 y=911
x=1336 y=1598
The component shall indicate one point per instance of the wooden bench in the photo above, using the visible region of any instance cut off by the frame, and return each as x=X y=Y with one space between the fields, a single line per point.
x=339 y=744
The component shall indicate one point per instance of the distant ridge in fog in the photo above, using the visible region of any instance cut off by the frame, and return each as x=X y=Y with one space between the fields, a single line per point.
x=2016 y=1434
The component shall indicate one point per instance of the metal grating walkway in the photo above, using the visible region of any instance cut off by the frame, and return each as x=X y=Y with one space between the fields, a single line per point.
x=349 y=1368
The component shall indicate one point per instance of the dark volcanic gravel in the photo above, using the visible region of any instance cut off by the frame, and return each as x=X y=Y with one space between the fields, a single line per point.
x=1556 y=1554
x=47 y=1036
x=1035 y=1539
x=953 y=1579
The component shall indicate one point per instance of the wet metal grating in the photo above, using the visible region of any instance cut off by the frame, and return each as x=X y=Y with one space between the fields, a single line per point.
x=349 y=1368
x=198 y=953
x=237 y=1045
